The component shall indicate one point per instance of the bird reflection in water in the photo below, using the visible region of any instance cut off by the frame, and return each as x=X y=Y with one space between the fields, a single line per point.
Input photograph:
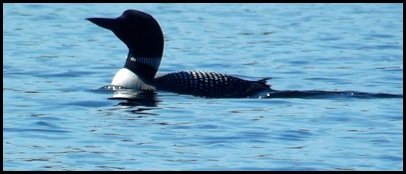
x=132 y=97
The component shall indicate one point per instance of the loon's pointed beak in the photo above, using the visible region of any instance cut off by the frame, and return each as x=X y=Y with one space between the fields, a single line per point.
x=106 y=23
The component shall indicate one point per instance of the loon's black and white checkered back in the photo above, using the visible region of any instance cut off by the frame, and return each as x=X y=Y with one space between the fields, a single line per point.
x=208 y=84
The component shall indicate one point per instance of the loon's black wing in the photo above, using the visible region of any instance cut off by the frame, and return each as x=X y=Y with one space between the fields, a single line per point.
x=209 y=84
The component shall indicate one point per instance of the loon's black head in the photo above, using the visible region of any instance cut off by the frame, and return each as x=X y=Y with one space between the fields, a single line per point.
x=143 y=37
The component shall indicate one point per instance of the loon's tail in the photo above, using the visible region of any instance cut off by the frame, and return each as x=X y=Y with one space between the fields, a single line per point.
x=264 y=80
x=259 y=86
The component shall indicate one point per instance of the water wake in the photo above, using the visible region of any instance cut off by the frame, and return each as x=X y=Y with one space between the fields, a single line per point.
x=318 y=94
x=122 y=93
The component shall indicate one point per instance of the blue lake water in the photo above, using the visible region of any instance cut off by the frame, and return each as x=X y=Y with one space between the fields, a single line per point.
x=54 y=118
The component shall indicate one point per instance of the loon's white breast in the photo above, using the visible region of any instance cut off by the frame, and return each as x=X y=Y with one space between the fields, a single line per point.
x=128 y=79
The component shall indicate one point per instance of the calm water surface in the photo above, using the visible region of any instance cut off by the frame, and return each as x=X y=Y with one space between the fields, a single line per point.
x=54 y=118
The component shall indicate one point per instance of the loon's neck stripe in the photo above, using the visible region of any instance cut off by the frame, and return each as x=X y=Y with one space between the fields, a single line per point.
x=142 y=70
x=151 y=61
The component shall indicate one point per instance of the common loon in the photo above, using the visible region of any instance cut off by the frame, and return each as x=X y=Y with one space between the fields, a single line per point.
x=145 y=41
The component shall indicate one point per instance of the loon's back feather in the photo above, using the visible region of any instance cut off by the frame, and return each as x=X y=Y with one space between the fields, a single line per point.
x=208 y=84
